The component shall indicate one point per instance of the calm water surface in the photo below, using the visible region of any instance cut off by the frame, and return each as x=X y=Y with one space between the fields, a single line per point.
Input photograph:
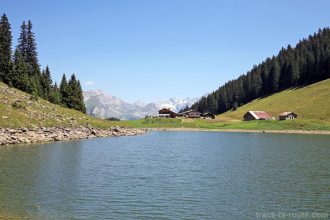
x=167 y=175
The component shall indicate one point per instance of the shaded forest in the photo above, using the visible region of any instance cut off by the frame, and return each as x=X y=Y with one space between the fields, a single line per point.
x=21 y=69
x=306 y=63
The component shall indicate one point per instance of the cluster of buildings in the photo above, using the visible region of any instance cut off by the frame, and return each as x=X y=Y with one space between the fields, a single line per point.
x=167 y=113
x=250 y=115
x=262 y=115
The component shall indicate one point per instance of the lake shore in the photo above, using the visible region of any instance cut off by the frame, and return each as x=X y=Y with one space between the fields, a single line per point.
x=10 y=136
x=245 y=130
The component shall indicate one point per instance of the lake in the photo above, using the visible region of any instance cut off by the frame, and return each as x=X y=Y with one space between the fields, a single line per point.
x=168 y=175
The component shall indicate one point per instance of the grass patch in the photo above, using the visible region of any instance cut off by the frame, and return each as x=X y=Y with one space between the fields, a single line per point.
x=310 y=103
x=218 y=124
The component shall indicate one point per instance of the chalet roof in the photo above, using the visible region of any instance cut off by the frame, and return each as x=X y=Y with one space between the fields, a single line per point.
x=287 y=113
x=194 y=111
x=259 y=114
x=166 y=111
x=186 y=112
x=208 y=113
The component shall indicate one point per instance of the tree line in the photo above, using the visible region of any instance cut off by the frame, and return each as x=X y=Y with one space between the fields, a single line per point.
x=21 y=69
x=306 y=63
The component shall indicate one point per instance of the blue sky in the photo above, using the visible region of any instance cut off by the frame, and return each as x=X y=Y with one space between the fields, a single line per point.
x=152 y=50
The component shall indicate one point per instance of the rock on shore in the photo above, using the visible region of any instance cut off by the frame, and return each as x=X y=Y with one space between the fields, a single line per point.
x=41 y=135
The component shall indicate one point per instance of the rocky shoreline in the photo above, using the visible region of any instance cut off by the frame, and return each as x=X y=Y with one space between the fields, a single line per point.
x=41 y=135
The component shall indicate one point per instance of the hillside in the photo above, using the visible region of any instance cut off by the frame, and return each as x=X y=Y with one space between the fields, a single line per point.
x=306 y=63
x=310 y=103
x=18 y=109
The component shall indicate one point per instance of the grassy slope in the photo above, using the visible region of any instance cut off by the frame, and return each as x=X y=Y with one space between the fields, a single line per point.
x=311 y=103
x=39 y=113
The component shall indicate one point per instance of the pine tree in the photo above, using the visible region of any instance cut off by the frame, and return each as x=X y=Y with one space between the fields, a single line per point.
x=265 y=77
x=310 y=62
x=55 y=96
x=293 y=73
x=75 y=95
x=22 y=41
x=20 y=76
x=235 y=106
x=275 y=75
x=27 y=47
x=31 y=51
x=6 y=66
x=211 y=104
x=64 y=91
x=81 y=103
x=257 y=82
x=46 y=83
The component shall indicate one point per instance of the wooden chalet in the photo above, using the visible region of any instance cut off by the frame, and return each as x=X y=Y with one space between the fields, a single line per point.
x=185 y=113
x=208 y=115
x=167 y=113
x=287 y=116
x=256 y=115
x=193 y=114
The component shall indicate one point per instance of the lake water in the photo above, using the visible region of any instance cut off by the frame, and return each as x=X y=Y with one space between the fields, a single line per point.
x=168 y=175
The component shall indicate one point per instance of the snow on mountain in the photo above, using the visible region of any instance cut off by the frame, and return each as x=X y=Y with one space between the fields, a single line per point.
x=102 y=105
x=177 y=104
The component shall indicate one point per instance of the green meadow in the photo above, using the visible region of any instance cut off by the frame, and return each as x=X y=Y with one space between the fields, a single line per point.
x=311 y=103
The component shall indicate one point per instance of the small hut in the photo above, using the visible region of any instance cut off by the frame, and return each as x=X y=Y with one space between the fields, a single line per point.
x=193 y=114
x=287 y=116
x=256 y=115
x=208 y=115
x=185 y=113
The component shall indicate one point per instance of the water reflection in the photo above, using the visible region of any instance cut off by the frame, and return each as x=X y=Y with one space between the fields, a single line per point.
x=204 y=175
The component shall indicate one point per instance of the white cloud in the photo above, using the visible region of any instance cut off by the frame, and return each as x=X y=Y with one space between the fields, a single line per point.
x=89 y=83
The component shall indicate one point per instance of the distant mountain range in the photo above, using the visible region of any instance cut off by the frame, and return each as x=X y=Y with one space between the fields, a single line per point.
x=102 y=105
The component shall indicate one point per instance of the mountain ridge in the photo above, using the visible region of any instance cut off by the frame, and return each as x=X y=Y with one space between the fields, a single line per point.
x=104 y=105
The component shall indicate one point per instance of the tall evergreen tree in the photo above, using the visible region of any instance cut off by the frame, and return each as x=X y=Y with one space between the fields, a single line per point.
x=275 y=74
x=20 y=78
x=75 y=95
x=31 y=51
x=265 y=77
x=6 y=66
x=64 y=91
x=55 y=96
x=27 y=47
x=81 y=103
x=293 y=73
x=46 y=83
x=22 y=41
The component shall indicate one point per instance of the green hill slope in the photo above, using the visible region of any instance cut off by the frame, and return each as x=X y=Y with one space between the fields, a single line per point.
x=17 y=109
x=310 y=103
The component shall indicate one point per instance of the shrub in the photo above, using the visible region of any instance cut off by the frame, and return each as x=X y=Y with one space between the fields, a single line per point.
x=34 y=97
x=113 y=119
x=18 y=105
